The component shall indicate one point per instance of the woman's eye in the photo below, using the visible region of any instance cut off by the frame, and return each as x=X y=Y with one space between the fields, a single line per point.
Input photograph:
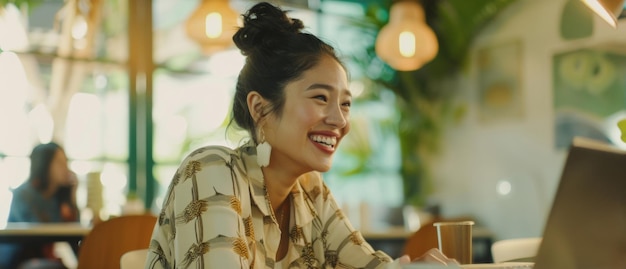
x=347 y=104
x=321 y=97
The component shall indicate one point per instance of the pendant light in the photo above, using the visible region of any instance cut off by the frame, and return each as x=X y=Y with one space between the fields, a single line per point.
x=406 y=43
x=212 y=25
x=608 y=10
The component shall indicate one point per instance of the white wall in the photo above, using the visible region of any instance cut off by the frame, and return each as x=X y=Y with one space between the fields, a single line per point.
x=478 y=155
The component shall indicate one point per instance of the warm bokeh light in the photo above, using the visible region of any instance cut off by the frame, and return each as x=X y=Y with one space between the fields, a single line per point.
x=212 y=25
x=114 y=182
x=13 y=34
x=406 y=43
x=356 y=88
x=14 y=140
x=83 y=127
x=42 y=122
x=14 y=81
x=81 y=168
x=115 y=125
x=226 y=63
x=79 y=28
x=170 y=133
x=504 y=188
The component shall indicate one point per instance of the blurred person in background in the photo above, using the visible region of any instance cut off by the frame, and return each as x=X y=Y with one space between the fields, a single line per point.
x=48 y=196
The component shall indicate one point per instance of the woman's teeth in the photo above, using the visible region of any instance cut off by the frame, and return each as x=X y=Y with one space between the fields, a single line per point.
x=326 y=140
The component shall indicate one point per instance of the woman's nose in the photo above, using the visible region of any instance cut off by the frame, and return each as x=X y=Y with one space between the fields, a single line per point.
x=336 y=117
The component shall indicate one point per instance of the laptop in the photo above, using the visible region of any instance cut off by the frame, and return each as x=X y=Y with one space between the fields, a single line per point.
x=586 y=226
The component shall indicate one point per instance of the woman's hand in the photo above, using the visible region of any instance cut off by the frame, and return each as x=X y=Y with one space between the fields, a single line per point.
x=72 y=181
x=68 y=207
x=436 y=256
x=431 y=256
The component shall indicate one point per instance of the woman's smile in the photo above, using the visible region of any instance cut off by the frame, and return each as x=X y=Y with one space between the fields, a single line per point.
x=325 y=143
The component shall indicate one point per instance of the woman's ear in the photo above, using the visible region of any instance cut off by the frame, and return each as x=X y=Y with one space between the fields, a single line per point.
x=256 y=105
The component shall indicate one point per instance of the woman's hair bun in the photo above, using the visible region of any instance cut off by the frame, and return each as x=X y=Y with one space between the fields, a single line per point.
x=265 y=26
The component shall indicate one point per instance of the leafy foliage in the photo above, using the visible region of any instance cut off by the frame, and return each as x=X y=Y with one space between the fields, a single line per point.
x=19 y=3
x=425 y=100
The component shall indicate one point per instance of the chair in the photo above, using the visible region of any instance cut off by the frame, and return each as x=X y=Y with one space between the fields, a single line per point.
x=134 y=259
x=422 y=240
x=515 y=250
x=104 y=246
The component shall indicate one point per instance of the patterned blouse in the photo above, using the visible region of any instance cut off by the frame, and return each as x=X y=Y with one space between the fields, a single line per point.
x=216 y=215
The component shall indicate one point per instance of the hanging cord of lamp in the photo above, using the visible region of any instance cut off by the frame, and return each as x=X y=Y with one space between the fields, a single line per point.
x=608 y=10
x=212 y=25
x=406 y=43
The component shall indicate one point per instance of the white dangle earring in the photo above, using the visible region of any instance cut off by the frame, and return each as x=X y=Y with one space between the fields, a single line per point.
x=263 y=151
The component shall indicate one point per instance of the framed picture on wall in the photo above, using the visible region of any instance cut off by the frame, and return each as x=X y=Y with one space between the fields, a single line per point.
x=499 y=82
x=589 y=89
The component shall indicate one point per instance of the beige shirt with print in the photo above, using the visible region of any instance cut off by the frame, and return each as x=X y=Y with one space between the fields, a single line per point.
x=216 y=215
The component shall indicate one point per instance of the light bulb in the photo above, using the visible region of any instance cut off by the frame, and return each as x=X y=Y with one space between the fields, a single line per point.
x=79 y=28
x=213 y=25
x=406 y=42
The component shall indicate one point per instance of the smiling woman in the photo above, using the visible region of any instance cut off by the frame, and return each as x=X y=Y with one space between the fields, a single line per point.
x=264 y=204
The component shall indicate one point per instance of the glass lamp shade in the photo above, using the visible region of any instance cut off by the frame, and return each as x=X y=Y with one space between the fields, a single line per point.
x=406 y=43
x=608 y=10
x=212 y=25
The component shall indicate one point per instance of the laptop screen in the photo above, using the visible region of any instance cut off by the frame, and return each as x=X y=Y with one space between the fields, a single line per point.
x=586 y=227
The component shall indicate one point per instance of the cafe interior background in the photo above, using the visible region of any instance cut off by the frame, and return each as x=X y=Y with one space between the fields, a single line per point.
x=478 y=125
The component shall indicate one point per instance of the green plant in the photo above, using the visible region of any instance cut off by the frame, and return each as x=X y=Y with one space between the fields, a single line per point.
x=19 y=3
x=425 y=101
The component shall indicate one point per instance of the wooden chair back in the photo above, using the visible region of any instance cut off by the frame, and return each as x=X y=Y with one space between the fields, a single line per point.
x=104 y=246
x=421 y=240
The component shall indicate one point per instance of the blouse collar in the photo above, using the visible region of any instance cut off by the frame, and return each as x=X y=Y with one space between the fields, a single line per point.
x=255 y=177
x=304 y=212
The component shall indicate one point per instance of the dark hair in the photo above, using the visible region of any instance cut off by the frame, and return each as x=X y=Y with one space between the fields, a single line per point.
x=277 y=52
x=40 y=160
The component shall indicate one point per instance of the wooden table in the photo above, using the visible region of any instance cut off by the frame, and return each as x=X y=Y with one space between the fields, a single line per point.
x=22 y=232
x=391 y=240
